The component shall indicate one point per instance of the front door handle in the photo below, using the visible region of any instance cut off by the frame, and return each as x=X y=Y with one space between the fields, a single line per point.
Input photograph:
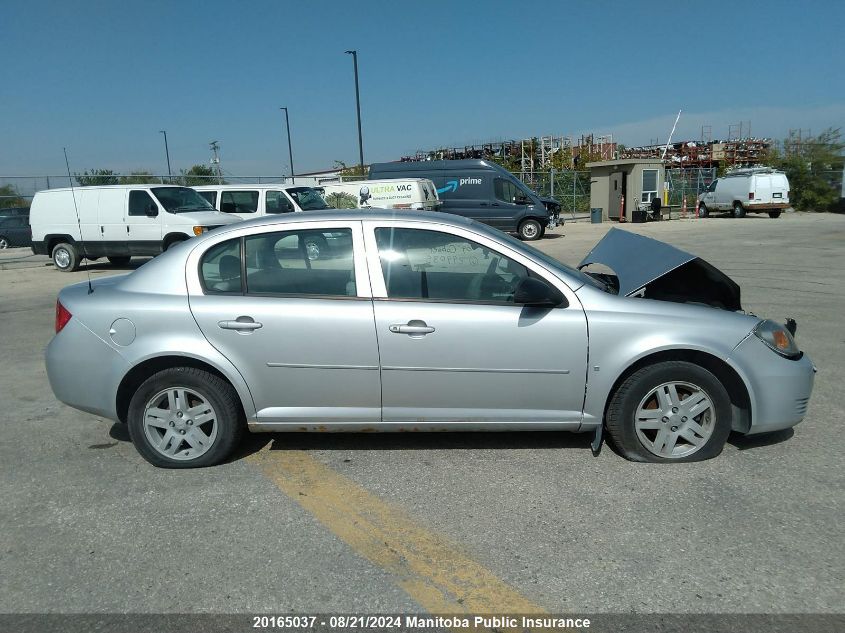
x=241 y=324
x=414 y=327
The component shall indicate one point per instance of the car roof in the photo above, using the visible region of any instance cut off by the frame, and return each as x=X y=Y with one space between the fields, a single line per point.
x=358 y=214
x=138 y=186
x=429 y=165
x=250 y=185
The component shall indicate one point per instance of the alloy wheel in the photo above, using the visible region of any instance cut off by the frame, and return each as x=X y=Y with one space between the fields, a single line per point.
x=675 y=419
x=62 y=258
x=180 y=423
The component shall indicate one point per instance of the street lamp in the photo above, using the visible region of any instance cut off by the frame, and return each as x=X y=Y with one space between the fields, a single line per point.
x=290 y=150
x=358 y=106
x=167 y=153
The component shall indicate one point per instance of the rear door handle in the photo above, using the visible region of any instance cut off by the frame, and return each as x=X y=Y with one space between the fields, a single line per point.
x=412 y=327
x=241 y=324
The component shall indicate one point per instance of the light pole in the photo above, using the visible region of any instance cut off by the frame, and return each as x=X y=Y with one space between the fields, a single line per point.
x=167 y=153
x=358 y=106
x=290 y=150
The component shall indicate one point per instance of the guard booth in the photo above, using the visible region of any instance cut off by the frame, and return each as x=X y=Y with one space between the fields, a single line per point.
x=638 y=180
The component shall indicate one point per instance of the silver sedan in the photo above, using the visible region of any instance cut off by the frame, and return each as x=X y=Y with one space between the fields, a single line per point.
x=373 y=320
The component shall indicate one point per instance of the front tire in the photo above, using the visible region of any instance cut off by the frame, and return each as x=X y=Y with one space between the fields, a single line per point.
x=530 y=230
x=185 y=417
x=739 y=210
x=702 y=211
x=122 y=260
x=674 y=411
x=65 y=257
x=774 y=214
x=4 y=242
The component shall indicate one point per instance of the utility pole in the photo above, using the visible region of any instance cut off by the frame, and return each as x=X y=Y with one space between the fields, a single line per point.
x=167 y=153
x=358 y=106
x=215 y=147
x=290 y=150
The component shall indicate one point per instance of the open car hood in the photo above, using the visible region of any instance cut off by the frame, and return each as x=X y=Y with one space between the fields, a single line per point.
x=660 y=271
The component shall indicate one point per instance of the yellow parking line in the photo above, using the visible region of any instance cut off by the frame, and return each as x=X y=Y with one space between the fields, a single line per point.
x=433 y=572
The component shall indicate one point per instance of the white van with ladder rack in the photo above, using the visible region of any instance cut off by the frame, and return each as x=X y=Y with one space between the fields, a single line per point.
x=750 y=190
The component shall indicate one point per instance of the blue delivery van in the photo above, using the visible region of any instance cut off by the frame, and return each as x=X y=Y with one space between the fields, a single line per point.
x=483 y=191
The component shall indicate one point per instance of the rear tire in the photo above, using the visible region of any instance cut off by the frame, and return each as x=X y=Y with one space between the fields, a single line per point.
x=674 y=411
x=65 y=257
x=774 y=214
x=739 y=210
x=530 y=230
x=122 y=260
x=182 y=411
x=4 y=242
x=702 y=211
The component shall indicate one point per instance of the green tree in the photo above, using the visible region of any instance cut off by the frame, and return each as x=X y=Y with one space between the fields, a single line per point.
x=198 y=175
x=9 y=197
x=809 y=164
x=350 y=173
x=340 y=200
x=139 y=178
x=96 y=177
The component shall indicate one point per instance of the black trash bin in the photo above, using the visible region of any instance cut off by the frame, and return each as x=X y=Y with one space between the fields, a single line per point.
x=595 y=215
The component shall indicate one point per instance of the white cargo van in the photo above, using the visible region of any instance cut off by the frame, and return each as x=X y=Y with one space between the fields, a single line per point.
x=410 y=193
x=117 y=222
x=744 y=190
x=252 y=201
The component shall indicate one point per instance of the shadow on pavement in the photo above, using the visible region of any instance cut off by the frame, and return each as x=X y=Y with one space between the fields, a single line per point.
x=744 y=442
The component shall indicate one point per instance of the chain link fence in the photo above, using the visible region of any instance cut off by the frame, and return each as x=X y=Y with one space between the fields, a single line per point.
x=569 y=187
x=688 y=183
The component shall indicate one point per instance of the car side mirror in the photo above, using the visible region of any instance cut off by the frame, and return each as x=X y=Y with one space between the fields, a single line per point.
x=520 y=199
x=152 y=210
x=539 y=294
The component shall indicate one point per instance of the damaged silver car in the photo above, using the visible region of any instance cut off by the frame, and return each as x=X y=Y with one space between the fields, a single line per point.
x=421 y=322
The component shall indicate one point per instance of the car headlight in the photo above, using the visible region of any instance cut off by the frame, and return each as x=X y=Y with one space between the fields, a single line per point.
x=778 y=338
x=199 y=230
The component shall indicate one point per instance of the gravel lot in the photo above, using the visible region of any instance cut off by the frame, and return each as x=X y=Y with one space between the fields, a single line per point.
x=88 y=526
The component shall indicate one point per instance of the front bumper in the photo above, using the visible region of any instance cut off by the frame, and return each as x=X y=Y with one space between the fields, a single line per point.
x=84 y=371
x=780 y=388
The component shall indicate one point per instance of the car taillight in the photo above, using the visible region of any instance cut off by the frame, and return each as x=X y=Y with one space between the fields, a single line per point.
x=751 y=196
x=62 y=316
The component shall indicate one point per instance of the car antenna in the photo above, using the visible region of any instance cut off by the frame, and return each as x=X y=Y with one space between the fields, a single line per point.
x=78 y=221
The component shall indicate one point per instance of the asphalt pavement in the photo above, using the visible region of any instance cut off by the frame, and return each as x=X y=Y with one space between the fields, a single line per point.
x=438 y=522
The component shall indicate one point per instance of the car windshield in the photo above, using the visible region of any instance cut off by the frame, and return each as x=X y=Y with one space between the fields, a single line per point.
x=180 y=199
x=307 y=198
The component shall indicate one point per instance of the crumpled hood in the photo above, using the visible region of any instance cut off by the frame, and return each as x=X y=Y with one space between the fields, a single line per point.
x=662 y=271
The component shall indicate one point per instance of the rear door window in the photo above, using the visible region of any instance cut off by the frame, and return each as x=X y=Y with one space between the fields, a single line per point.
x=220 y=268
x=317 y=262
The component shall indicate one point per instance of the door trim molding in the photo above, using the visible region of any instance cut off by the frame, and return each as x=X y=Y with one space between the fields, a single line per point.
x=478 y=370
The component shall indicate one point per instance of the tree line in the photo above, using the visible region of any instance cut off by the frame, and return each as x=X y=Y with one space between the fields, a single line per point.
x=813 y=166
x=196 y=175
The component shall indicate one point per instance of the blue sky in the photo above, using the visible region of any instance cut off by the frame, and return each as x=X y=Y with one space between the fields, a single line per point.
x=102 y=78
